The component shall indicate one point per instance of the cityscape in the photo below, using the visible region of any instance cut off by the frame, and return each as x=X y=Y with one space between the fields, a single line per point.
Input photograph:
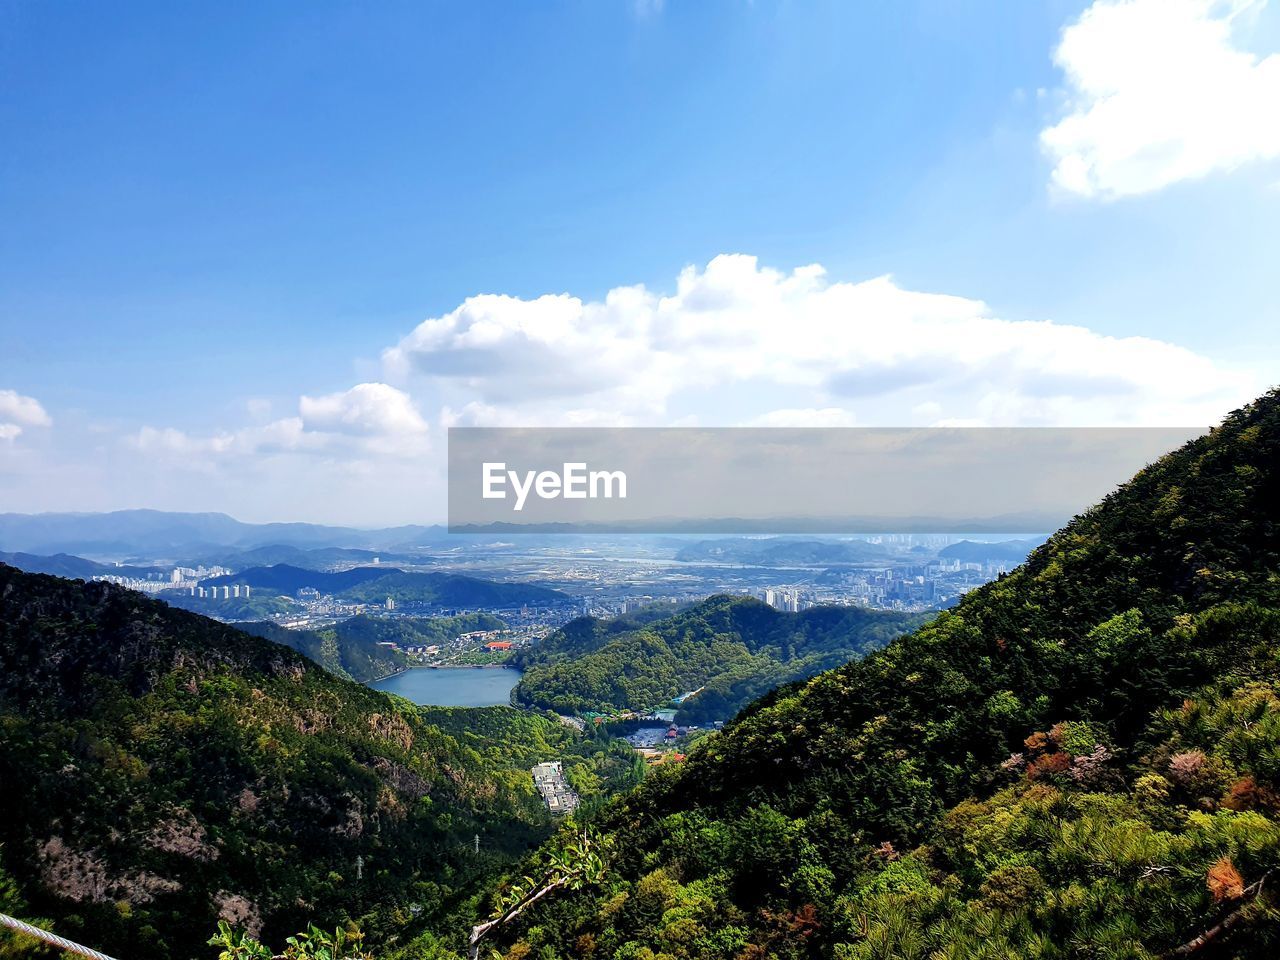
x=606 y=580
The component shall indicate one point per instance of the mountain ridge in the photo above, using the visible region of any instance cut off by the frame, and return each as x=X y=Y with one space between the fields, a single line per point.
x=1078 y=759
x=176 y=770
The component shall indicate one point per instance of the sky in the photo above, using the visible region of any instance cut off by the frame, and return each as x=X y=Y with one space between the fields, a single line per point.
x=258 y=257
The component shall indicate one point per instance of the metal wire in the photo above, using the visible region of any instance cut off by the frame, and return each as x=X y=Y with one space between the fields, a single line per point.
x=61 y=942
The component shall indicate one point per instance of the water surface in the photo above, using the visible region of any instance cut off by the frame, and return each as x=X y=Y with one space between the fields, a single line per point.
x=453 y=687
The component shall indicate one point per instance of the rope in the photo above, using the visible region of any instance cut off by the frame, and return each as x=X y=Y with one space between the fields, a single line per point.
x=59 y=942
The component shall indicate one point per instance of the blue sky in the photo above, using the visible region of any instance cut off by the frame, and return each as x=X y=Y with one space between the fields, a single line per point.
x=218 y=220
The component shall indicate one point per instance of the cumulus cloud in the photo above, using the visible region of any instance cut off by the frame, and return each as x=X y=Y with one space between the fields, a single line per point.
x=1159 y=92
x=18 y=411
x=365 y=409
x=736 y=328
x=169 y=440
x=369 y=418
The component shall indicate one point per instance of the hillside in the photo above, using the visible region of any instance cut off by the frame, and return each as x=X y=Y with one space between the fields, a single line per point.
x=1080 y=760
x=731 y=649
x=375 y=584
x=77 y=568
x=160 y=770
x=233 y=609
x=351 y=648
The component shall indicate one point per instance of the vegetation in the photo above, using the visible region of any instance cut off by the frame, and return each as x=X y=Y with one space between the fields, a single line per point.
x=351 y=648
x=572 y=864
x=731 y=649
x=1080 y=760
x=453 y=591
x=254 y=608
x=315 y=944
x=162 y=771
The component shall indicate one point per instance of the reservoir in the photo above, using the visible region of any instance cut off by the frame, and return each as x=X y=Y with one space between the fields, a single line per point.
x=453 y=687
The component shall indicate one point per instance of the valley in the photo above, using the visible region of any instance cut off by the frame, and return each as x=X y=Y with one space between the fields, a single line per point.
x=805 y=782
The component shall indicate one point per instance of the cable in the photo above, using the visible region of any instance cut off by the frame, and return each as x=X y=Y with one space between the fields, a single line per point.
x=60 y=942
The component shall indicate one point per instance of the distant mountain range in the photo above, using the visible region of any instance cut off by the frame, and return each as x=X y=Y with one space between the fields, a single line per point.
x=157 y=532
x=215 y=538
x=781 y=551
x=1010 y=552
x=319 y=558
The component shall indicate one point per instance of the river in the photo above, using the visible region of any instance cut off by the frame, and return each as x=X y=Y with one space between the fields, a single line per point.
x=453 y=686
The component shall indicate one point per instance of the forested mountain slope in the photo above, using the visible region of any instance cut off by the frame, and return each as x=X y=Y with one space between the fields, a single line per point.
x=159 y=770
x=1082 y=759
x=730 y=649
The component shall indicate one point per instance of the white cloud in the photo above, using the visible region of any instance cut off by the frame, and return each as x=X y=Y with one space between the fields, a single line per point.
x=736 y=329
x=168 y=440
x=1159 y=92
x=368 y=419
x=366 y=409
x=731 y=343
x=18 y=411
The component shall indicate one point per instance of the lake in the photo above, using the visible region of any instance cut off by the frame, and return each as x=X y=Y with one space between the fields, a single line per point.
x=453 y=687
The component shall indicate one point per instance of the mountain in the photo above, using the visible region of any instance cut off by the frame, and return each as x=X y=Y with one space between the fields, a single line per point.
x=319 y=558
x=288 y=579
x=730 y=649
x=374 y=584
x=353 y=648
x=1010 y=552
x=77 y=568
x=1079 y=760
x=160 y=770
x=232 y=609
x=160 y=533
x=781 y=551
